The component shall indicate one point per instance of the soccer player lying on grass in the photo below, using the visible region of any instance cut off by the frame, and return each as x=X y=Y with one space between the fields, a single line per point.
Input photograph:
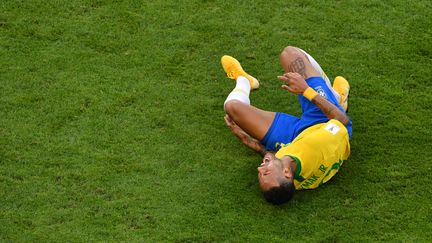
x=298 y=152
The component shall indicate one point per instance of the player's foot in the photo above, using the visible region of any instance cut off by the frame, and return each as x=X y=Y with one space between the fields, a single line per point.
x=233 y=69
x=341 y=85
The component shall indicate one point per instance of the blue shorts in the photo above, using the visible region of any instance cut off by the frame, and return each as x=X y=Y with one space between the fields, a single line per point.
x=286 y=127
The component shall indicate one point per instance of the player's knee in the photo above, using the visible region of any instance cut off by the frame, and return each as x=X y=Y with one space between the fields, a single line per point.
x=232 y=107
x=290 y=52
x=290 y=58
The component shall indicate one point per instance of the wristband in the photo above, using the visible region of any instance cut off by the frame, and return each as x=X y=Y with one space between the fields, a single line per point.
x=310 y=93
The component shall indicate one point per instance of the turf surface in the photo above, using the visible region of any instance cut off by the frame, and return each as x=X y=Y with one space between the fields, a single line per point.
x=111 y=120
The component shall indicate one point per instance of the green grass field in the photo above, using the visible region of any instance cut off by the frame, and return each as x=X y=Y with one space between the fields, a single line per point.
x=111 y=120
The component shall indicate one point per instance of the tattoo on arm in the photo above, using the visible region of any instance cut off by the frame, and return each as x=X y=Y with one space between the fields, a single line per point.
x=298 y=66
x=330 y=110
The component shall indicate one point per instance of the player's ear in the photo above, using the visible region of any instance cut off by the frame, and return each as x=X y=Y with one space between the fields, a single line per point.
x=288 y=173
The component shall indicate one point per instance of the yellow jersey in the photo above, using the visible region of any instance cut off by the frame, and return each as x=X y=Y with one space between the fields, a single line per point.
x=319 y=152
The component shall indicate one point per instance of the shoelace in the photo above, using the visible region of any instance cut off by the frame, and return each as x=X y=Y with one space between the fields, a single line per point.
x=230 y=74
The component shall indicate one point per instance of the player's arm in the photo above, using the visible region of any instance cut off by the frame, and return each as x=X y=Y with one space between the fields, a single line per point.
x=329 y=109
x=296 y=84
x=245 y=138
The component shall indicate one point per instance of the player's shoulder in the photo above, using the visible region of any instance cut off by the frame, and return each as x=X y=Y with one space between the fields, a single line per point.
x=334 y=127
x=319 y=131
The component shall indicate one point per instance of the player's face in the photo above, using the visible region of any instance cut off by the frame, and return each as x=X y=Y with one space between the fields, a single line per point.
x=269 y=172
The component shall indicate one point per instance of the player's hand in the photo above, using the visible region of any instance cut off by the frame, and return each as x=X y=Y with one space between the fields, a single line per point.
x=243 y=136
x=294 y=83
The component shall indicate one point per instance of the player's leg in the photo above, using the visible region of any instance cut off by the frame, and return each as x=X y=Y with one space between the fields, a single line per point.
x=292 y=59
x=290 y=62
x=253 y=121
x=295 y=60
x=270 y=128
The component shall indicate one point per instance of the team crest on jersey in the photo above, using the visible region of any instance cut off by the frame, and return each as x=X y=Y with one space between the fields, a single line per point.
x=321 y=91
